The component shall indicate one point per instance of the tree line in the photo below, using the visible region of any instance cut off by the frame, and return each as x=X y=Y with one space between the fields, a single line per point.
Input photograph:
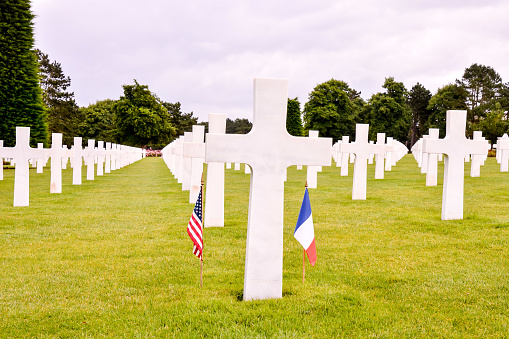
x=333 y=107
x=34 y=92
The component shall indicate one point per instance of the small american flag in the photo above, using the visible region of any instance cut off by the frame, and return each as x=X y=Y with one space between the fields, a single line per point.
x=195 y=228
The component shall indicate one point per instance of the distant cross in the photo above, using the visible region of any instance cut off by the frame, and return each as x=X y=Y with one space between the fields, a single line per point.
x=76 y=161
x=380 y=157
x=456 y=147
x=503 y=152
x=89 y=156
x=362 y=149
x=113 y=157
x=372 y=156
x=312 y=171
x=187 y=164
x=56 y=153
x=179 y=159
x=22 y=153
x=107 y=158
x=475 y=165
x=101 y=157
x=195 y=150
x=41 y=162
x=389 y=155
x=432 y=167
x=118 y=156
x=344 y=156
x=214 y=207
x=425 y=157
x=269 y=150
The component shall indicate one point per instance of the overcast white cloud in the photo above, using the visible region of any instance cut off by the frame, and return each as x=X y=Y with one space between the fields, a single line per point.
x=206 y=53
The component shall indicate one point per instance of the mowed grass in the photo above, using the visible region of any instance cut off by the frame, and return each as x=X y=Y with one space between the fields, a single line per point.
x=111 y=258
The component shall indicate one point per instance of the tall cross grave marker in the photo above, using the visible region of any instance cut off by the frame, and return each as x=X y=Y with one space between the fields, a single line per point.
x=456 y=147
x=269 y=150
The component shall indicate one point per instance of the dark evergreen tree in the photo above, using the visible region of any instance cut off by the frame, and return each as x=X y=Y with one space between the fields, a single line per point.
x=418 y=101
x=388 y=112
x=20 y=95
x=63 y=114
x=238 y=126
x=182 y=122
x=293 y=119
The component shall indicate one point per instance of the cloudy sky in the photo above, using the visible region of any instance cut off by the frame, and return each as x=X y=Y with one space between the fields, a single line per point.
x=205 y=53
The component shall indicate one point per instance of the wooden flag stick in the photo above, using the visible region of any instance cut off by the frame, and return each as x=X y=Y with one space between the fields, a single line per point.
x=201 y=273
x=304 y=267
x=203 y=223
x=304 y=256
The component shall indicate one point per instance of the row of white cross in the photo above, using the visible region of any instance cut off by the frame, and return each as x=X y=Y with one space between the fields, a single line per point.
x=457 y=150
x=108 y=156
x=268 y=150
x=185 y=157
x=502 y=147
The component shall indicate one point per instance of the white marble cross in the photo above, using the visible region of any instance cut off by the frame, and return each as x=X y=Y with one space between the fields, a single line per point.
x=107 y=158
x=432 y=166
x=22 y=153
x=269 y=150
x=312 y=171
x=214 y=199
x=89 y=156
x=380 y=157
x=188 y=164
x=344 y=156
x=76 y=161
x=56 y=153
x=41 y=162
x=388 y=154
x=455 y=146
x=113 y=157
x=195 y=150
x=424 y=160
x=503 y=153
x=101 y=158
x=475 y=165
x=362 y=149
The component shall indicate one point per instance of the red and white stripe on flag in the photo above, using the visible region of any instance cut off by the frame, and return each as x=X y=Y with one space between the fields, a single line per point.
x=195 y=228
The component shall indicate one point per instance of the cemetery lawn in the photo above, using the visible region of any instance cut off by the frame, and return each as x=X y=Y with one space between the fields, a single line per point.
x=111 y=258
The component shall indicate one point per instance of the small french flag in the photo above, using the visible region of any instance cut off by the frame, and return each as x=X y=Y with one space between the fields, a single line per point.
x=304 y=231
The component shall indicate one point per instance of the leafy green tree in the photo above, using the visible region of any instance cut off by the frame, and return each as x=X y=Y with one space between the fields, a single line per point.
x=418 y=101
x=330 y=110
x=141 y=118
x=63 y=114
x=98 y=121
x=293 y=120
x=449 y=97
x=182 y=122
x=20 y=95
x=483 y=85
x=388 y=112
x=238 y=126
x=493 y=125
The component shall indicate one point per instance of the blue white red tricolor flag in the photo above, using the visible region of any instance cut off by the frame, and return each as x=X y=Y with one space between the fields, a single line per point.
x=195 y=228
x=304 y=231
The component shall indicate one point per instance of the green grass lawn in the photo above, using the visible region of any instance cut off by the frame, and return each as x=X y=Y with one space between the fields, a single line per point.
x=111 y=258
